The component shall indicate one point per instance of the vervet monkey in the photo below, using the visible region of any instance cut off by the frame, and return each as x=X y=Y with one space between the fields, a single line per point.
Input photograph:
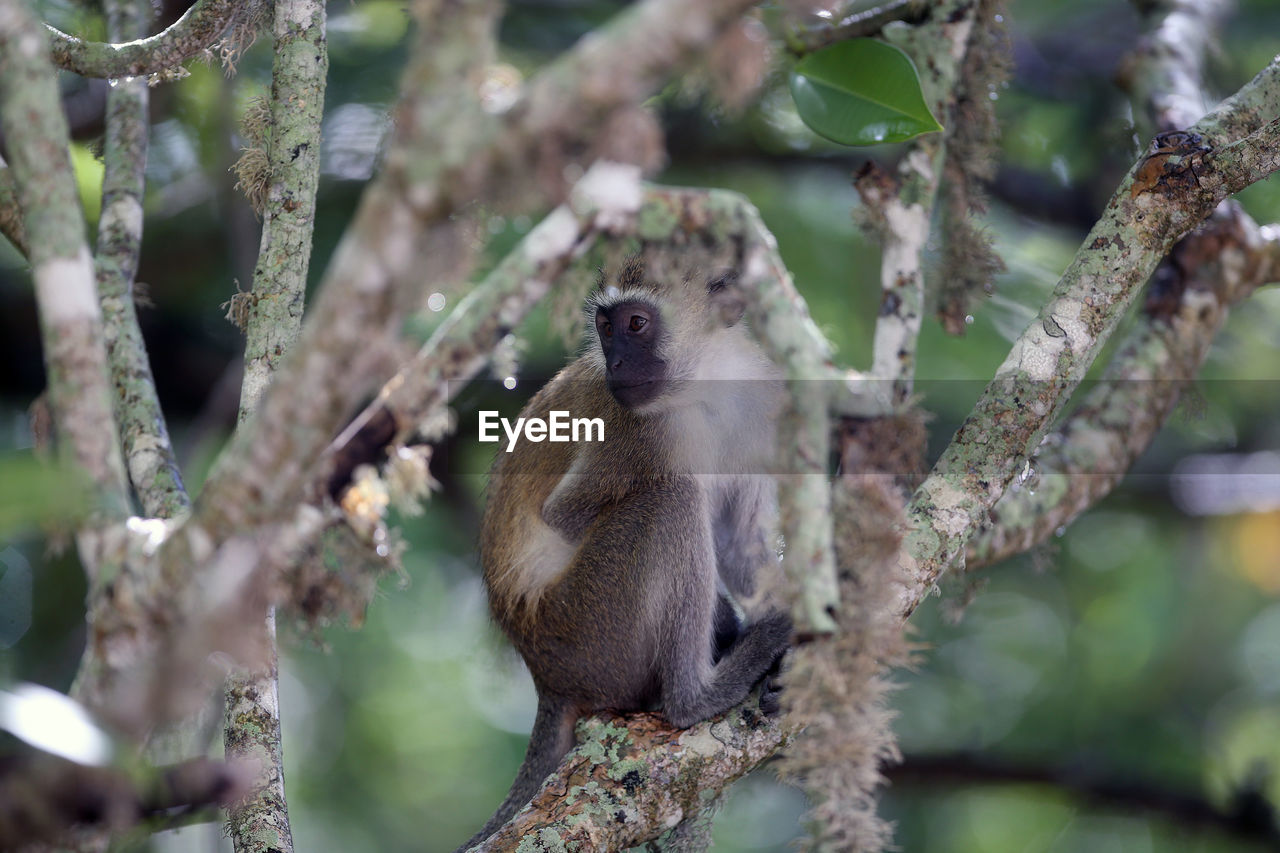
x=614 y=566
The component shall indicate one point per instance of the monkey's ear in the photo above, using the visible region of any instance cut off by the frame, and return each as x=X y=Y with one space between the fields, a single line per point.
x=725 y=298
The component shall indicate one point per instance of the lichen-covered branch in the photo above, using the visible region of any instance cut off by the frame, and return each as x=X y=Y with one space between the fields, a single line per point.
x=1082 y=461
x=1213 y=267
x=781 y=321
x=1166 y=194
x=198 y=28
x=153 y=468
x=10 y=214
x=272 y=316
x=902 y=208
x=630 y=779
x=70 y=318
x=272 y=321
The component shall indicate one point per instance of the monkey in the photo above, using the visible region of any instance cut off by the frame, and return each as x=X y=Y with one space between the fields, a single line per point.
x=617 y=567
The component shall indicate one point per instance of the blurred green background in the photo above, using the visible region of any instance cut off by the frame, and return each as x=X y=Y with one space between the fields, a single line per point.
x=1143 y=645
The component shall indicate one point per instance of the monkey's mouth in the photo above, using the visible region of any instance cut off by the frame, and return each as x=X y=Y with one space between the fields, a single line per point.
x=632 y=394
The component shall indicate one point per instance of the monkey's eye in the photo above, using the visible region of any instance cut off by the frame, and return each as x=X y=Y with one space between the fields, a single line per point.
x=637 y=323
x=606 y=328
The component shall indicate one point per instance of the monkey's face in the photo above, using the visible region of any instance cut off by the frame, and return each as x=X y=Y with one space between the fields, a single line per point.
x=630 y=333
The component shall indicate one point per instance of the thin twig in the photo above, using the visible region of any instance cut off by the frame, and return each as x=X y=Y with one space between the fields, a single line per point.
x=843 y=25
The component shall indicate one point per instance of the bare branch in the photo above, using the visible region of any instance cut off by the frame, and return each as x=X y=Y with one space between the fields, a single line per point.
x=197 y=29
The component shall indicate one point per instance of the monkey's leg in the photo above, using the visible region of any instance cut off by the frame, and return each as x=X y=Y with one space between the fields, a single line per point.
x=762 y=644
x=693 y=688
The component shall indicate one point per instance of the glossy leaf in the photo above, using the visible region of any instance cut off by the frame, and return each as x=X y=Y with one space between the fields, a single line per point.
x=861 y=92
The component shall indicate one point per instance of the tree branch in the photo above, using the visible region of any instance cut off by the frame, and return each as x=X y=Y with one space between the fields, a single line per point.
x=632 y=777
x=198 y=28
x=153 y=468
x=1083 y=460
x=1214 y=267
x=1166 y=193
x=70 y=318
x=902 y=209
x=259 y=822
x=842 y=24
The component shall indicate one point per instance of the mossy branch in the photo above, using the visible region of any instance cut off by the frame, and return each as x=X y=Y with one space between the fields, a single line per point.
x=153 y=467
x=632 y=778
x=1207 y=271
x=1166 y=194
x=197 y=29
x=259 y=821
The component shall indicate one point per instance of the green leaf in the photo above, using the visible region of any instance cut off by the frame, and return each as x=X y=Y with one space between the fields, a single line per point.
x=861 y=92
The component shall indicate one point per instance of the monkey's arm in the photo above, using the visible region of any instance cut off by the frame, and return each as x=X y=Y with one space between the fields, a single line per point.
x=744 y=532
x=578 y=498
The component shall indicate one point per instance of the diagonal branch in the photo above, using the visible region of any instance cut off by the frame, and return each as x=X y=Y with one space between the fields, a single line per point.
x=1206 y=272
x=1165 y=195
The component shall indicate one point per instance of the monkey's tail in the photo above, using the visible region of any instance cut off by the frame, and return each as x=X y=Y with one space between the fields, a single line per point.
x=550 y=740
